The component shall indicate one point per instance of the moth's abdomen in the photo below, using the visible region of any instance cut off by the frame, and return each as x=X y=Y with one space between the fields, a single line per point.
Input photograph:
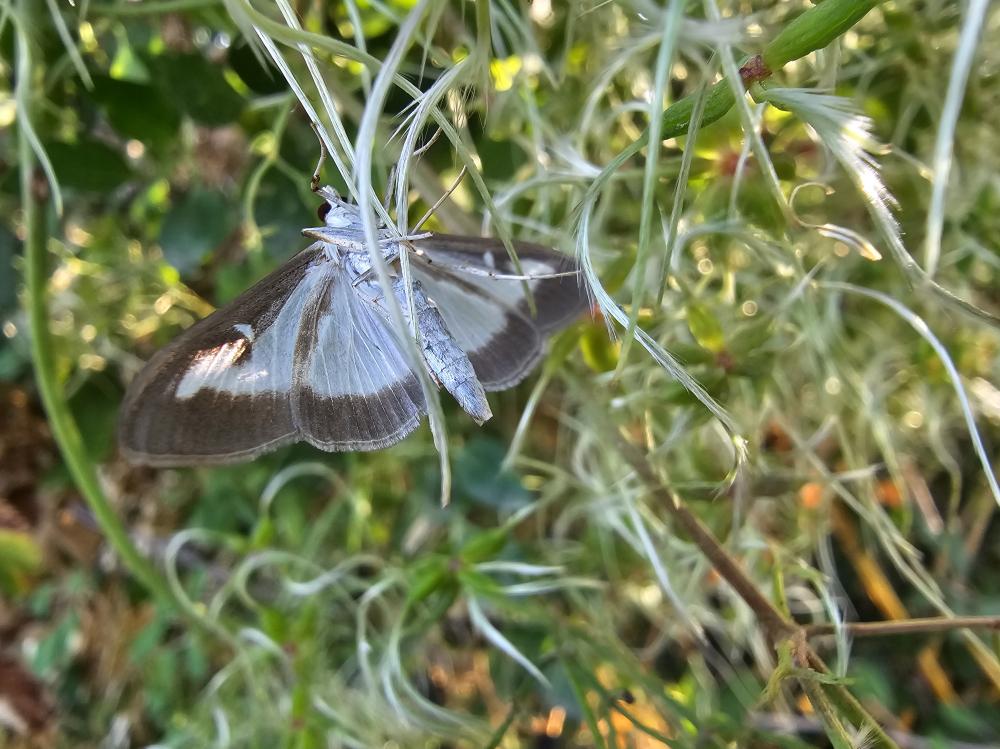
x=445 y=359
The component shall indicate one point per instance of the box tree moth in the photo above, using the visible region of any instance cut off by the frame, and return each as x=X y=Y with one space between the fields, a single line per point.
x=309 y=352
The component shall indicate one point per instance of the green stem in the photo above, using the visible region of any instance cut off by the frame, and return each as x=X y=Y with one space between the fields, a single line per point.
x=153 y=7
x=671 y=24
x=484 y=43
x=815 y=29
x=34 y=196
x=675 y=122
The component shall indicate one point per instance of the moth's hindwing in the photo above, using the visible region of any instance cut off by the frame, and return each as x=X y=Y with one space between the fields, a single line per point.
x=490 y=317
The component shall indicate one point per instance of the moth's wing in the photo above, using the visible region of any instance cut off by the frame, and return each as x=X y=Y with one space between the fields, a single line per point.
x=490 y=317
x=502 y=344
x=221 y=392
x=354 y=387
x=558 y=301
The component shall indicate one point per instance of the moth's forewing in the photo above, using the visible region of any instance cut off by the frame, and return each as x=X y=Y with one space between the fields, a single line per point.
x=490 y=317
x=356 y=390
x=300 y=356
x=221 y=391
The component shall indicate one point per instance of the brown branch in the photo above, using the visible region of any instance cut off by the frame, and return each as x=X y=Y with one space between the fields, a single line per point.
x=906 y=626
x=776 y=625
x=774 y=622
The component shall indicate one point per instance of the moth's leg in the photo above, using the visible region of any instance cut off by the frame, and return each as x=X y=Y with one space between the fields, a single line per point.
x=390 y=252
x=314 y=183
x=361 y=267
x=474 y=270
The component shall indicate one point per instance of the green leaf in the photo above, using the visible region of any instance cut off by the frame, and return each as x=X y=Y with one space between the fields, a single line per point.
x=95 y=408
x=478 y=583
x=14 y=359
x=705 y=328
x=599 y=352
x=428 y=575
x=199 y=88
x=147 y=640
x=757 y=204
x=501 y=158
x=127 y=66
x=138 y=111
x=616 y=273
x=959 y=719
x=484 y=546
x=8 y=280
x=20 y=557
x=478 y=477
x=753 y=335
x=54 y=651
x=258 y=79
x=579 y=690
x=281 y=215
x=229 y=496
x=195 y=225
x=196 y=663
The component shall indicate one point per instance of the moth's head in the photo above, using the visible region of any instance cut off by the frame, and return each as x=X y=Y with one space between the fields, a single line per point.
x=335 y=212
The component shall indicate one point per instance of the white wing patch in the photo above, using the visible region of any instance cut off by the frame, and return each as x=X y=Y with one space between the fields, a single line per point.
x=268 y=368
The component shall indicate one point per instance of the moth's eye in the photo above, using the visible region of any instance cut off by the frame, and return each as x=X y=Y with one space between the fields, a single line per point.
x=323 y=210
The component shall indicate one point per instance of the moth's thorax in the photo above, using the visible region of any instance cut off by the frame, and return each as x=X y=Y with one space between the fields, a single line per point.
x=343 y=238
x=343 y=216
x=351 y=258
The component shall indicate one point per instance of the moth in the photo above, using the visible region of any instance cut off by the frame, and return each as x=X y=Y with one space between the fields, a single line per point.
x=310 y=354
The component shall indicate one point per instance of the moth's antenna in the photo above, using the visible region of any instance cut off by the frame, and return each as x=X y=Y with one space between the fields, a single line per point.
x=430 y=211
x=431 y=141
x=314 y=182
x=391 y=184
x=394 y=172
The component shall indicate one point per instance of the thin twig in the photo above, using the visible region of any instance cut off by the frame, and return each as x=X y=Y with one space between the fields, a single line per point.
x=797 y=724
x=774 y=622
x=454 y=186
